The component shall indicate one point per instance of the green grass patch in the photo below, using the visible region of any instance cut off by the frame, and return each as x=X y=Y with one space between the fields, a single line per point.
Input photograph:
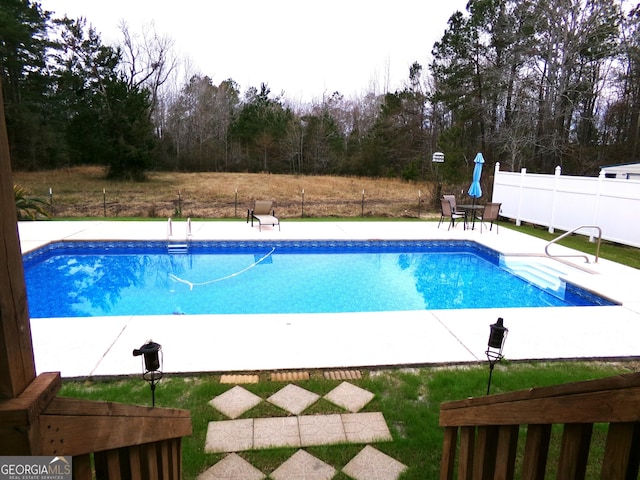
x=408 y=398
x=615 y=252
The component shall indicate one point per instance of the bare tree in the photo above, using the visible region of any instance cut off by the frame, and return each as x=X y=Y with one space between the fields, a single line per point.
x=148 y=59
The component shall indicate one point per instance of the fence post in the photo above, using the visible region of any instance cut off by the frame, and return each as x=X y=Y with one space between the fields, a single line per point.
x=362 y=205
x=596 y=207
x=558 y=171
x=523 y=173
x=496 y=171
x=302 y=214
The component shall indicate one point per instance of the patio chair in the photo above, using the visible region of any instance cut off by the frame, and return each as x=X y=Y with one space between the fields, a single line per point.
x=263 y=213
x=447 y=211
x=452 y=201
x=489 y=213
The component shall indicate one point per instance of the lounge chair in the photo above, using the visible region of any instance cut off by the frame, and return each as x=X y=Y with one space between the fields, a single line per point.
x=490 y=214
x=264 y=214
x=447 y=211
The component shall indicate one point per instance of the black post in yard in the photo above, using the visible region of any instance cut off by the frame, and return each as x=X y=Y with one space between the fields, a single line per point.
x=235 y=205
x=491 y=365
x=497 y=335
x=151 y=354
x=302 y=216
x=362 y=205
x=104 y=201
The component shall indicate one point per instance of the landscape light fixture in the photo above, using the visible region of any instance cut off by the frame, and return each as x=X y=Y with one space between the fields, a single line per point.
x=497 y=336
x=151 y=353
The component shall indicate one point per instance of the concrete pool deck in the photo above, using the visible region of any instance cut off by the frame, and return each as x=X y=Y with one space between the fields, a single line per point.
x=102 y=346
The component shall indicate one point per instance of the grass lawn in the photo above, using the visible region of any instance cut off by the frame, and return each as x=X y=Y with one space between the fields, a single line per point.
x=408 y=398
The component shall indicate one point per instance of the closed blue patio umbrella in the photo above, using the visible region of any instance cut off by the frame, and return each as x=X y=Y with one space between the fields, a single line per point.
x=475 y=191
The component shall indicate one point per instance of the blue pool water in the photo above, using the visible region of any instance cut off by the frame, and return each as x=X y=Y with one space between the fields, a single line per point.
x=81 y=279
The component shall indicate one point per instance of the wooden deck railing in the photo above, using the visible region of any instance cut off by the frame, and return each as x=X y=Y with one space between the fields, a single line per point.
x=126 y=441
x=487 y=430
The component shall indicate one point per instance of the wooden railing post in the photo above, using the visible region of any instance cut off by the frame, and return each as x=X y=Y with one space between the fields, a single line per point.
x=484 y=457
x=622 y=452
x=506 y=451
x=536 y=450
x=465 y=462
x=574 y=451
x=449 y=447
x=17 y=366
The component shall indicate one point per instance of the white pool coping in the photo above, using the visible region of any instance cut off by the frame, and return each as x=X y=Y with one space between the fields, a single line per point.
x=102 y=346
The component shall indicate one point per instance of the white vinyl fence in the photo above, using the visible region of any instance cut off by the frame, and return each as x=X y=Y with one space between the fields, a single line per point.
x=567 y=202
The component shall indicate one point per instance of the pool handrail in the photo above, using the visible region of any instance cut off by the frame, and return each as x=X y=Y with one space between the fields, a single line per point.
x=566 y=234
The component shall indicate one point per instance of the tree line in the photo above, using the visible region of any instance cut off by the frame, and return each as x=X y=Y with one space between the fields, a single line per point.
x=530 y=83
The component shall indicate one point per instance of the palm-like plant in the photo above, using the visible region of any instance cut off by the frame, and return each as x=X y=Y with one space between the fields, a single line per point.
x=28 y=208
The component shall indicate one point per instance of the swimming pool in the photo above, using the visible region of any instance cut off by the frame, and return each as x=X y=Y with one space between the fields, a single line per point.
x=83 y=279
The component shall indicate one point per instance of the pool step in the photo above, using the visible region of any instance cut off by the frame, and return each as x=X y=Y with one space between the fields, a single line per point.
x=177 y=247
x=540 y=274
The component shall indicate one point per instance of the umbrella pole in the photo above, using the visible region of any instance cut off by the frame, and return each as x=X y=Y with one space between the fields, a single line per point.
x=473 y=213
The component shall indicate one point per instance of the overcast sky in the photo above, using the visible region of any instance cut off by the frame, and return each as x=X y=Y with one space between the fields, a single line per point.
x=305 y=48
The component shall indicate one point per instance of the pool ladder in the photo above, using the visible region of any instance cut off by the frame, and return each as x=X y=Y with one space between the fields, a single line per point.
x=178 y=245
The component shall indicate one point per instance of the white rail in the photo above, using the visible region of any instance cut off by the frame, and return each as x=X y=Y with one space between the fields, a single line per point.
x=566 y=234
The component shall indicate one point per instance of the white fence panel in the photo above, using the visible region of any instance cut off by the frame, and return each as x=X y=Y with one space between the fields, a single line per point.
x=568 y=202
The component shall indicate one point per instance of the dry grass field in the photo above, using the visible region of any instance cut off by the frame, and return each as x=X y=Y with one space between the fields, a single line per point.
x=84 y=192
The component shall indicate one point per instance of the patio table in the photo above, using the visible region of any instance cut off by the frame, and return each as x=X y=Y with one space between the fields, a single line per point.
x=471 y=210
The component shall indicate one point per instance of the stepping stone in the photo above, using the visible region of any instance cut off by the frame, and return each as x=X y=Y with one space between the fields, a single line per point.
x=293 y=399
x=232 y=467
x=276 y=432
x=303 y=465
x=349 y=397
x=371 y=463
x=235 y=402
x=289 y=376
x=343 y=375
x=321 y=430
x=365 y=427
x=239 y=379
x=229 y=436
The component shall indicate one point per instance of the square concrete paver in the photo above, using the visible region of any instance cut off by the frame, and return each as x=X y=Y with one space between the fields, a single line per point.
x=372 y=464
x=321 y=430
x=366 y=427
x=303 y=466
x=349 y=396
x=229 y=436
x=235 y=402
x=276 y=432
x=293 y=399
x=232 y=467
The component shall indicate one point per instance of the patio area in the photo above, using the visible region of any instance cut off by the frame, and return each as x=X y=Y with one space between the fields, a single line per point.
x=102 y=346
